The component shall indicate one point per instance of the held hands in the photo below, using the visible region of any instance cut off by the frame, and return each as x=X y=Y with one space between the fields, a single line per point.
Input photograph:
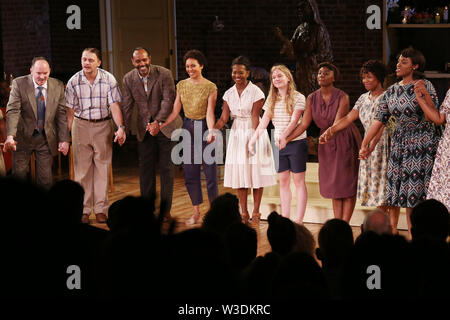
x=63 y=147
x=420 y=89
x=211 y=135
x=10 y=144
x=326 y=136
x=281 y=142
x=251 y=146
x=364 y=152
x=153 y=128
x=120 y=136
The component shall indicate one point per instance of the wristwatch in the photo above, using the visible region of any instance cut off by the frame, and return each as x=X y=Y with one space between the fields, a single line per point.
x=122 y=127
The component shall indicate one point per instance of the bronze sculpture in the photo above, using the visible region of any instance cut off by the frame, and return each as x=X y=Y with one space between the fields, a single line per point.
x=309 y=46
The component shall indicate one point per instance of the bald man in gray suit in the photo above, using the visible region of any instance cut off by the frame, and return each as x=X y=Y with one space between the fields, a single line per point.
x=36 y=121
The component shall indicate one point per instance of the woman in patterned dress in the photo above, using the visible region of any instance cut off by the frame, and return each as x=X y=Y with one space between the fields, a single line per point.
x=197 y=95
x=415 y=140
x=439 y=187
x=371 y=190
x=244 y=102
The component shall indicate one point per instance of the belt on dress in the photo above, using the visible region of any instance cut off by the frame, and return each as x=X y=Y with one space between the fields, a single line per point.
x=242 y=117
x=94 y=120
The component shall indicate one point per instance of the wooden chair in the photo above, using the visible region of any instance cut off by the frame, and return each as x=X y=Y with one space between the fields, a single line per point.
x=33 y=167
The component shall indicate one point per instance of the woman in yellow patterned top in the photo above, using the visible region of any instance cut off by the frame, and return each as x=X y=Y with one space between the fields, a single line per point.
x=197 y=95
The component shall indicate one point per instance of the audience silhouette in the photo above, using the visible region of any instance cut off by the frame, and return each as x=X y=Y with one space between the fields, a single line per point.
x=45 y=247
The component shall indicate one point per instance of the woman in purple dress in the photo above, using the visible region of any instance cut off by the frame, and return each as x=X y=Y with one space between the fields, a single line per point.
x=338 y=161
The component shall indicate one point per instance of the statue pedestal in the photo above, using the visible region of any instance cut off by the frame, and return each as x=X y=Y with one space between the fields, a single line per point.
x=318 y=209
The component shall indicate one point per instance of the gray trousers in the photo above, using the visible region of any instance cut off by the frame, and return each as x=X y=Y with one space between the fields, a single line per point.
x=153 y=151
x=44 y=159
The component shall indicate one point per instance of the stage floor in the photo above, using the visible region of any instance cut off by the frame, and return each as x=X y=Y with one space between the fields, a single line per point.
x=318 y=211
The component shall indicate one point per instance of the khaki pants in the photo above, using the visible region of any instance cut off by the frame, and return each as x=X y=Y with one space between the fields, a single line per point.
x=92 y=155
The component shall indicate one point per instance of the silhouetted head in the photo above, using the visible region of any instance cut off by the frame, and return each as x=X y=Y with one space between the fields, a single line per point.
x=132 y=214
x=304 y=240
x=299 y=276
x=430 y=219
x=224 y=212
x=241 y=245
x=281 y=233
x=335 y=242
x=377 y=221
x=67 y=197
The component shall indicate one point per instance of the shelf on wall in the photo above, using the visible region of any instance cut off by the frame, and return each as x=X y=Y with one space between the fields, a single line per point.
x=437 y=75
x=418 y=26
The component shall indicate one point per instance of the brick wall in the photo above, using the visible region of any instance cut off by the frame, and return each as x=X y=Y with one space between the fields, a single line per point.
x=25 y=34
x=249 y=30
x=38 y=28
x=66 y=45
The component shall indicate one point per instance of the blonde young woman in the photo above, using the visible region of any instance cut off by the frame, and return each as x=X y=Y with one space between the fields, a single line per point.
x=285 y=106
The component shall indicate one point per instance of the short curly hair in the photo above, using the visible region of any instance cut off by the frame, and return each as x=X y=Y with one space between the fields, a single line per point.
x=376 y=67
x=242 y=60
x=197 y=55
x=331 y=67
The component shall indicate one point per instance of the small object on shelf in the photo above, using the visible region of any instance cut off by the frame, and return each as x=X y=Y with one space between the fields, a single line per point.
x=445 y=14
x=437 y=19
x=404 y=20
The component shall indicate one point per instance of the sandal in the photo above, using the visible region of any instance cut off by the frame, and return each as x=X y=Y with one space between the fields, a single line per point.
x=192 y=220
x=256 y=218
x=245 y=217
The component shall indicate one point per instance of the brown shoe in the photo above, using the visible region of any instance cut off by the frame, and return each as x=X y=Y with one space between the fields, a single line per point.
x=100 y=217
x=85 y=219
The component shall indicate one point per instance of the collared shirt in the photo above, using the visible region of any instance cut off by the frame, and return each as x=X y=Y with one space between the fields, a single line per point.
x=281 y=118
x=92 y=101
x=144 y=80
x=241 y=106
x=44 y=90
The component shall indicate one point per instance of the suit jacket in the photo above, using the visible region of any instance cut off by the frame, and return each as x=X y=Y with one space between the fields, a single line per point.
x=21 y=113
x=158 y=104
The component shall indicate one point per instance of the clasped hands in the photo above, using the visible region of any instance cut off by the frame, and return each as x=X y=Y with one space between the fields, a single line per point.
x=11 y=145
x=326 y=136
x=120 y=136
x=63 y=147
x=420 y=89
x=153 y=128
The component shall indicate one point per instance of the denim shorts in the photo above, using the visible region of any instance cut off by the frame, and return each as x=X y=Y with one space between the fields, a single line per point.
x=293 y=157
